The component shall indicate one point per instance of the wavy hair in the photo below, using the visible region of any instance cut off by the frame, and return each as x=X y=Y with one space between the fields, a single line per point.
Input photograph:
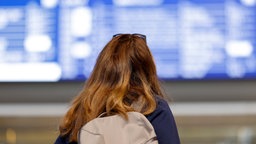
x=124 y=79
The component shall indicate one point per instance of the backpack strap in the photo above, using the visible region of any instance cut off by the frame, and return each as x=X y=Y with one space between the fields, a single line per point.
x=102 y=114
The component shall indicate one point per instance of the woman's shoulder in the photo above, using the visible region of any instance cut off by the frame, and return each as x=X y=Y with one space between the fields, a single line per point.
x=162 y=103
x=162 y=108
x=164 y=123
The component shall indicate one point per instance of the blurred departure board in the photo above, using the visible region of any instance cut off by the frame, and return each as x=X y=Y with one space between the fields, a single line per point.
x=59 y=40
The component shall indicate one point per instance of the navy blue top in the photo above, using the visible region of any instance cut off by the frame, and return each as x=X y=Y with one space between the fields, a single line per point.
x=162 y=120
x=164 y=124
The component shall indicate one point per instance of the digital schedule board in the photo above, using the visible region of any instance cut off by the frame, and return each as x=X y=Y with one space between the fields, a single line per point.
x=59 y=40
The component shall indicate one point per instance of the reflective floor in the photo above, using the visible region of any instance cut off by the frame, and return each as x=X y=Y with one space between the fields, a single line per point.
x=192 y=129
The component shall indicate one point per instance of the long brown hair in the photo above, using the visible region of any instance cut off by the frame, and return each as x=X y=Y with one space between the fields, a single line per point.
x=124 y=74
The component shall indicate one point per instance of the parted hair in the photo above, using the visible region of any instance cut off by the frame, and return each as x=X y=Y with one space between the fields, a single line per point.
x=124 y=79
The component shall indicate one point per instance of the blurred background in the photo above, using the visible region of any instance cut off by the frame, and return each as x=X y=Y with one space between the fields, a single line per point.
x=205 y=52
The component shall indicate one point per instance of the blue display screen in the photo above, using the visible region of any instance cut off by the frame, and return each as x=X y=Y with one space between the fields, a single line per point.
x=59 y=40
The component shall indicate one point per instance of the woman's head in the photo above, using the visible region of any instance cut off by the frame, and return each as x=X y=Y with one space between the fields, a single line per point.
x=126 y=69
x=125 y=59
x=123 y=79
